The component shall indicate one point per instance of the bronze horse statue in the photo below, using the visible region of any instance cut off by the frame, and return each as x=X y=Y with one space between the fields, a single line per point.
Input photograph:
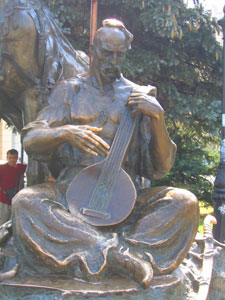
x=34 y=55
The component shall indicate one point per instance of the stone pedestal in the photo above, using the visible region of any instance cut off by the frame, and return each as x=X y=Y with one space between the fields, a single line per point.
x=183 y=284
x=118 y=288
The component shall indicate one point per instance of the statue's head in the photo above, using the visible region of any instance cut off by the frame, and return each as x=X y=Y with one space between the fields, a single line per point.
x=111 y=43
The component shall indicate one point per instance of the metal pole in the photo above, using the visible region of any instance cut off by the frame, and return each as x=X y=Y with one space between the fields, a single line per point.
x=219 y=185
x=93 y=23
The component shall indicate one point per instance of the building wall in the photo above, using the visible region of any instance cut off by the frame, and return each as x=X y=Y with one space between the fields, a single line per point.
x=5 y=139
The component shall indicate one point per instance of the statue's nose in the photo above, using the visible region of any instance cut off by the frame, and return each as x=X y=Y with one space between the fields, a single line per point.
x=115 y=59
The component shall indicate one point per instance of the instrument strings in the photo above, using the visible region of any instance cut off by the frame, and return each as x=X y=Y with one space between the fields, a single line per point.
x=108 y=176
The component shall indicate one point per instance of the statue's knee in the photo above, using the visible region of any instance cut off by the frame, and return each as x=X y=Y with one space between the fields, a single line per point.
x=21 y=200
x=184 y=197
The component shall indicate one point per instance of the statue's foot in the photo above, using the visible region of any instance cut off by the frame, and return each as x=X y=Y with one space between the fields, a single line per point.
x=139 y=269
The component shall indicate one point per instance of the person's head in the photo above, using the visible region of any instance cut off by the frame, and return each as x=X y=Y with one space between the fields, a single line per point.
x=111 y=43
x=12 y=156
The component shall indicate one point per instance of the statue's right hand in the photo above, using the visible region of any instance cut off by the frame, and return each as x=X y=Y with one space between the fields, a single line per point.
x=85 y=137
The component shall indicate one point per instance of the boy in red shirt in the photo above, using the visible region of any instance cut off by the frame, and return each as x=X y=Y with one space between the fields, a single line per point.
x=10 y=178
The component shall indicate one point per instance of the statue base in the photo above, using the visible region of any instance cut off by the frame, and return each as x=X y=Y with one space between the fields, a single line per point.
x=183 y=284
x=45 y=288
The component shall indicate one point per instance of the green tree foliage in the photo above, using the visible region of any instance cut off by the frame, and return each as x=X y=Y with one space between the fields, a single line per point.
x=175 y=48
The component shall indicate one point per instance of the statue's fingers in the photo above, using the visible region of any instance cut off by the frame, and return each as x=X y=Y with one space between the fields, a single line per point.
x=94 y=129
x=140 y=97
x=81 y=145
x=133 y=102
x=98 y=150
x=86 y=140
x=136 y=94
x=96 y=146
x=100 y=140
x=87 y=149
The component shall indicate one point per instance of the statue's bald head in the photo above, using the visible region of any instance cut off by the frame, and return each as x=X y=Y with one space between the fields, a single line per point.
x=113 y=27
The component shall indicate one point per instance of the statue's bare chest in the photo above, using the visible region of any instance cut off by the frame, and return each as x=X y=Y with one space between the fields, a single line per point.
x=98 y=109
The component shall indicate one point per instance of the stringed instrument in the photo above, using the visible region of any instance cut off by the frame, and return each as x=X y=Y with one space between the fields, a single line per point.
x=103 y=194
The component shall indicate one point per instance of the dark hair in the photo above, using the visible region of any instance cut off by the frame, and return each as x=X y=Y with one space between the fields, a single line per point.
x=12 y=151
x=114 y=23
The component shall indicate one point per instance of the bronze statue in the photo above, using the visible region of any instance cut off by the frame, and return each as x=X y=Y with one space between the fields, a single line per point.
x=75 y=131
x=34 y=55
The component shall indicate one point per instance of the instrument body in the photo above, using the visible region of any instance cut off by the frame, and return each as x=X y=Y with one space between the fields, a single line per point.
x=120 y=200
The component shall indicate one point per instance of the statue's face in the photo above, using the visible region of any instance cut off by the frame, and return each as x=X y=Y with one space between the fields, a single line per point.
x=109 y=53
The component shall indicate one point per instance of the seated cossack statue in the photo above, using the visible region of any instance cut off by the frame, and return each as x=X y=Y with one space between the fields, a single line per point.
x=99 y=133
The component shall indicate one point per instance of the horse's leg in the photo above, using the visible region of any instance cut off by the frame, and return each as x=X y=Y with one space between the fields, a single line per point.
x=30 y=105
x=10 y=113
x=37 y=172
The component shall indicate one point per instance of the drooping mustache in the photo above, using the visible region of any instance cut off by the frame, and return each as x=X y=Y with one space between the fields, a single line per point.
x=111 y=71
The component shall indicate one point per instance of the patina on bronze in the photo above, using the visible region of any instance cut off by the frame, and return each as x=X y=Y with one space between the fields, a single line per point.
x=34 y=55
x=76 y=130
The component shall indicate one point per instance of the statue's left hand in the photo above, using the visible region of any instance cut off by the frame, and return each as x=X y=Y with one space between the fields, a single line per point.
x=146 y=104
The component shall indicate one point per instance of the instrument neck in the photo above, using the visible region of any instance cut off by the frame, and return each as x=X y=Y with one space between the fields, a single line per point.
x=119 y=147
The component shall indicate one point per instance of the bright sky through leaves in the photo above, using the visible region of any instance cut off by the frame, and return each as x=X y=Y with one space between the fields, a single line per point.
x=216 y=6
